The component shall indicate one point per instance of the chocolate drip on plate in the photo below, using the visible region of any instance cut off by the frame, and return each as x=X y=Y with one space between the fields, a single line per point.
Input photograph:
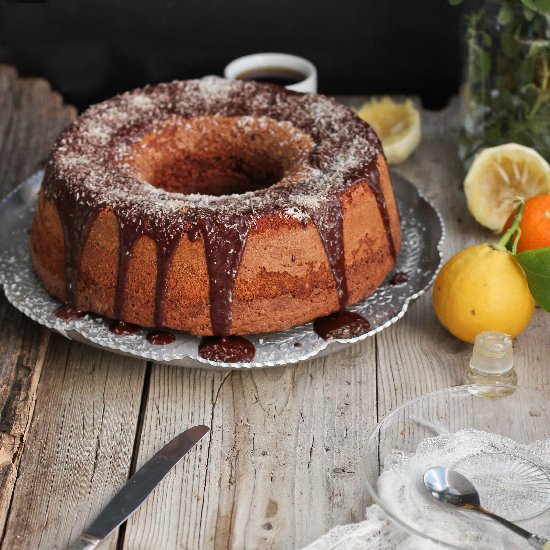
x=68 y=312
x=160 y=337
x=230 y=349
x=342 y=326
x=399 y=278
x=120 y=328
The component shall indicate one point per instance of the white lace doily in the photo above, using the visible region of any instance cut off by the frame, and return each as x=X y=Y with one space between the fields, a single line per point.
x=512 y=479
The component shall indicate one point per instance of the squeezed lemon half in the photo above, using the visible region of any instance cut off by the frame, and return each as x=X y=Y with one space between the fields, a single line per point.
x=397 y=125
x=497 y=176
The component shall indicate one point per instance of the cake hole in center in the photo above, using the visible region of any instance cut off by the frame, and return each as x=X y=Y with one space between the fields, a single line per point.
x=219 y=155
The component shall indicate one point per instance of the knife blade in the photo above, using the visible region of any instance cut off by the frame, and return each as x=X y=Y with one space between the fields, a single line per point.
x=138 y=488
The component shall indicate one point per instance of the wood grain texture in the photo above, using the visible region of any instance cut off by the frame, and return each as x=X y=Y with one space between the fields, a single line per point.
x=283 y=462
x=532 y=353
x=79 y=448
x=22 y=349
x=31 y=116
x=417 y=355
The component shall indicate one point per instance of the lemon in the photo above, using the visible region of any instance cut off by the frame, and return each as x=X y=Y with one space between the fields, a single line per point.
x=497 y=176
x=397 y=125
x=482 y=288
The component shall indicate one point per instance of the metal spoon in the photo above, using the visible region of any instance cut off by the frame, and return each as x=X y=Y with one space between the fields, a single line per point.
x=453 y=489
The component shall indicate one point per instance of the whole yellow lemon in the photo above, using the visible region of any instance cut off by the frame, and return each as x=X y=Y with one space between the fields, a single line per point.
x=482 y=288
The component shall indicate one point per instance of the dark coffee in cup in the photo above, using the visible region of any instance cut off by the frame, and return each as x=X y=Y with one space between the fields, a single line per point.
x=273 y=75
x=293 y=72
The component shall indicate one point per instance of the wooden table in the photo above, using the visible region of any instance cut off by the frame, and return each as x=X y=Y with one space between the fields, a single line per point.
x=282 y=463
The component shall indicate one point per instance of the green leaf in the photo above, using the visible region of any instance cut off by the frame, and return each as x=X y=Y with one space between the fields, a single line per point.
x=528 y=14
x=505 y=14
x=536 y=264
x=486 y=39
x=481 y=64
x=455 y=2
x=509 y=43
x=539 y=6
x=526 y=71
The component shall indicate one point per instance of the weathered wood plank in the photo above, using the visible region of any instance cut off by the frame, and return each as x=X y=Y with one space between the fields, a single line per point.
x=283 y=462
x=532 y=353
x=79 y=448
x=31 y=115
x=86 y=392
x=22 y=349
x=417 y=355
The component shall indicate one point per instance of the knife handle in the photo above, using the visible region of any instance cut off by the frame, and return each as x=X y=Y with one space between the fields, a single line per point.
x=84 y=542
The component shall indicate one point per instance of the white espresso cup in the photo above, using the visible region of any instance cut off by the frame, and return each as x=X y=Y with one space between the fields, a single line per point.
x=295 y=73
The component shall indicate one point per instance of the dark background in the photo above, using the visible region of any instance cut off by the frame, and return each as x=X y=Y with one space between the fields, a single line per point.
x=90 y=50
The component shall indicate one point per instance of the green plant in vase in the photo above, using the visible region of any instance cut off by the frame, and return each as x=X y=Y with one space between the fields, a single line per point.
x=507 y=85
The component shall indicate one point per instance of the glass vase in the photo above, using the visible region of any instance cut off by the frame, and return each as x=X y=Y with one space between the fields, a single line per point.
x=507 y=83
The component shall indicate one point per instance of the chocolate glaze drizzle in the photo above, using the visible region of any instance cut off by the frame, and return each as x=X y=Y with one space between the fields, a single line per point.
x=76 y=220
x=128 y=234
x=372 y=177
x=330 y=225
x=225 y=239
x=166 y=236
x=225 y=229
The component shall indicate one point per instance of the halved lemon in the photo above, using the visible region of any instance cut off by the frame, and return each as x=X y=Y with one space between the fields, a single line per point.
x=397 y=125
x=500 y=174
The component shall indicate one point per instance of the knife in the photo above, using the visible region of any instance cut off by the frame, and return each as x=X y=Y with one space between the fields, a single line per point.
x=138 y=488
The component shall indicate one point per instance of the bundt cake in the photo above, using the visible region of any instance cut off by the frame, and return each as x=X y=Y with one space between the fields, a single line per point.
x=215 y=207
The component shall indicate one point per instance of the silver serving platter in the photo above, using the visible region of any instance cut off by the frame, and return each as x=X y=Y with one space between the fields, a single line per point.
x=420 y=259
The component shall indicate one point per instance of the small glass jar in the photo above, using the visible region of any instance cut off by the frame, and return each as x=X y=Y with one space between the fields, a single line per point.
x=492 y=364
x=507 y=83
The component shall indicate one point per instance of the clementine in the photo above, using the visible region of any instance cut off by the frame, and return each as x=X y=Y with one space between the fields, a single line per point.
x=534 y=224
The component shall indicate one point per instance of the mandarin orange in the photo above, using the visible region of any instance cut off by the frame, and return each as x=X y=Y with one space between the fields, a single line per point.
x=535 y=223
